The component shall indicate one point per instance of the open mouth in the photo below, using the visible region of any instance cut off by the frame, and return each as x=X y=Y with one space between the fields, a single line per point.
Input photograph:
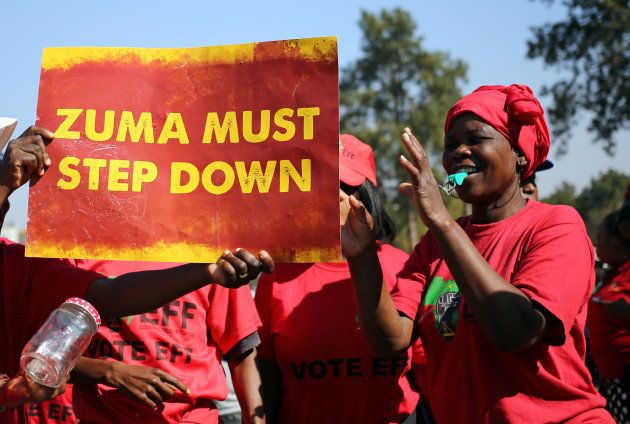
x=467 y=169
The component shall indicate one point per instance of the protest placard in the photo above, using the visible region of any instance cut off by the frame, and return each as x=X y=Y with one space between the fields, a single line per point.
x=178 y=154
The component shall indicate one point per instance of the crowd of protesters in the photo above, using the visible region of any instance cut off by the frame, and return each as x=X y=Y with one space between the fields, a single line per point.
x=483 y=323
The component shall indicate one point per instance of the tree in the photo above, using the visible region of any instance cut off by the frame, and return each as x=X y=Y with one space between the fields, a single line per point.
x=593 y=45
x=603 y=195
x=565 y=194
x=397 y=83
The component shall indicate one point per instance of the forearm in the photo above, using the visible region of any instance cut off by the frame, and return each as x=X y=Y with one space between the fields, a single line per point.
x=385 y=330
x=248 y=387
x=90 y=371
x=487 y=294
x=271 y=388
x=139 y=292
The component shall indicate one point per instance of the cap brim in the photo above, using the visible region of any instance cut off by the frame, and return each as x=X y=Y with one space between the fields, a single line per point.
x=547 y=164
x=350 y=176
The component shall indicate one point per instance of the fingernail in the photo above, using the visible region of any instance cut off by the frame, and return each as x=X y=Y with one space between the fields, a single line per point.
x=48 y=162
x=403 y=158
x=226 y=252
x=238 y=249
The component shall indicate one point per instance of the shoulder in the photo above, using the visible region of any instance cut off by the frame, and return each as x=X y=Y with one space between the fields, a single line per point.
x=546 y=214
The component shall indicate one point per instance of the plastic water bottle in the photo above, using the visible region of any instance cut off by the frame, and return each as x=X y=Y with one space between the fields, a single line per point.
x=52 y=352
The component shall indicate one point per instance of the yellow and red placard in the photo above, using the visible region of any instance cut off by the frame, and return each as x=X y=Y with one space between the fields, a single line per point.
x=178 y=154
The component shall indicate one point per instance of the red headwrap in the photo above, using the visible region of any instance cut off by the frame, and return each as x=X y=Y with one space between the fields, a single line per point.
x=515 y=113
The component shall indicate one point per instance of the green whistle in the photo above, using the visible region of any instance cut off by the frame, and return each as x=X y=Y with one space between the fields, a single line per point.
x=457 y=179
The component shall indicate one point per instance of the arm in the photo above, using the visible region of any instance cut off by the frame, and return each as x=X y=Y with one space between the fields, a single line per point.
x=150 y=386
x=138 y=292
x=272 y=388
x=486 y=292
x=387 y=332
x=248 y=386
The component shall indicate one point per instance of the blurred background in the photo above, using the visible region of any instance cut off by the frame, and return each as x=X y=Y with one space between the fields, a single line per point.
x=402 y=63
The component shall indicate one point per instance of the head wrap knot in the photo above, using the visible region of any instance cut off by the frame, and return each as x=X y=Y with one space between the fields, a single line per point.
x=513 y=111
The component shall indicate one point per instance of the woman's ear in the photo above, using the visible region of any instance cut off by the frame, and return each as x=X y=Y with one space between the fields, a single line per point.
x=521 y=165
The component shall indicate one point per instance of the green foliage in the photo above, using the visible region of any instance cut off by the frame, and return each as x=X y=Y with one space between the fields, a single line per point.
x=565 y=194
x=593 y=46
x=603 y=195
x=397 y=83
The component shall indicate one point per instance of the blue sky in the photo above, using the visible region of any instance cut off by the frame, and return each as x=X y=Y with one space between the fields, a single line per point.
x=489 y=35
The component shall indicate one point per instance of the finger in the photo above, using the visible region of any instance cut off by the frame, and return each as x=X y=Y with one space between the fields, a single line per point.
x=406 y=189
x=266 y=260
x=417 y=153
x=165 y=390
x=412 y=171
x=45 y=157
x=45 y=133
x=173 y=382
x=239 y=266
x=143 y=398
x=358 y=209
x=151 y=391
x=38 y=151
x=253 y=264
x=342 y=196
x=227 y=271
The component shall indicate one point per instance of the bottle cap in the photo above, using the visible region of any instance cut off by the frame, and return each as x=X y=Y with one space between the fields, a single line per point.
x=87 y=306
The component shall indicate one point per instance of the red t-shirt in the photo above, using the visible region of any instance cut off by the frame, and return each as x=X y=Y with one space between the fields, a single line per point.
x=329 y=373
x=54 y=411
x=545 y=252
x=610 y=336
x=186 y=338
x=30 y=289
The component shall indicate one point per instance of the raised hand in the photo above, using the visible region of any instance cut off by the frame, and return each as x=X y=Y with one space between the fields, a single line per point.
x=237 y=269
x=25 y=159
x=357 y=232
x=423 y=189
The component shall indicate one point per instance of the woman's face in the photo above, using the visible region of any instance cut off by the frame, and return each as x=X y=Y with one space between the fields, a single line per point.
x=475 y=147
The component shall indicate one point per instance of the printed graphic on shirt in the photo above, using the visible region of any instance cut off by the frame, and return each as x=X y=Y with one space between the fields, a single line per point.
x=172 y=318
x=443 y=299
x=50 y=412
x=348 y=367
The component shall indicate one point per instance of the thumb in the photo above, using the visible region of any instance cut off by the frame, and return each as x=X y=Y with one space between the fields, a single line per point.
x=358 y=209
x=406 y=189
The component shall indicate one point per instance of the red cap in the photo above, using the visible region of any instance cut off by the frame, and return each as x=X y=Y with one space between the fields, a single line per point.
x=87 y=306
x=356 y=161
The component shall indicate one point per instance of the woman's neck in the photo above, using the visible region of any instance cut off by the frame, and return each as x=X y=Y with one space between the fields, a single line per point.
x=498 y=210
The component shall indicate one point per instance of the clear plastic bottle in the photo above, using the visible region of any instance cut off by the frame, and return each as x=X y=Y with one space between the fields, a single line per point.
x=52 y=352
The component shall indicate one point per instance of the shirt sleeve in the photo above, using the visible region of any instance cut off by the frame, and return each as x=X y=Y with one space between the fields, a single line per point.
x=407 y=293
x=263 y=304
x=232 y=316
x=557 y=270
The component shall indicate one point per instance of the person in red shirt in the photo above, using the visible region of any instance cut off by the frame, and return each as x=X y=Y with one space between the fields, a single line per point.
x=185 y=338
x=30 y=288
x=499 y=297
x=316 y=366
x=609 y=317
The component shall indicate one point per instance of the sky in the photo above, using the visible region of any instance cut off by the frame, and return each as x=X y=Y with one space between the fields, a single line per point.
x=490 y=36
